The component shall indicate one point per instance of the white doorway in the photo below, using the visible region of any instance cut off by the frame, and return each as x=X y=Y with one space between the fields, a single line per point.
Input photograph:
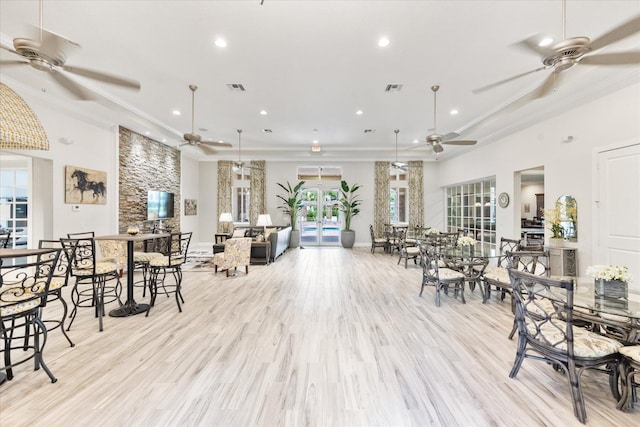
x=617 y=203
x=318 y=221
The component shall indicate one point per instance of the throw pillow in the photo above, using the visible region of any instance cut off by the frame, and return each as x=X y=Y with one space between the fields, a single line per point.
x=268 y=232
x=238 y=233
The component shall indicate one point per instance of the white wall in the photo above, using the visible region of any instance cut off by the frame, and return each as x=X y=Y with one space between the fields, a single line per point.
x=528 y=195
x=189 y=189
x=567 y=166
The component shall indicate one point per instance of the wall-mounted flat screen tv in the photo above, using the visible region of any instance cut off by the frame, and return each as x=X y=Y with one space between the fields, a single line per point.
x=159 y=205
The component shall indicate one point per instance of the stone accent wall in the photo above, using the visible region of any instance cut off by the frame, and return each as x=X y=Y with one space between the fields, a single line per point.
x=146 y=165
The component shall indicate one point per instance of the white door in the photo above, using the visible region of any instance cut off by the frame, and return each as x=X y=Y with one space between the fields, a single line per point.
x=618 y=204
x=318 y=220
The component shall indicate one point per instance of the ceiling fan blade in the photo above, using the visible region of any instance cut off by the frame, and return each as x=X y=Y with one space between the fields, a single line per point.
x=621 y=58
x=531 y=44
x=449 y=136
x=206 y=149
x=618 y=33
x=8 y=49
x=183 y=144
x=216 y=143
x=14 y=62
x=461 y=142
x=551 y=83
x=72 y=87
x=501 y=82
x=104 y=77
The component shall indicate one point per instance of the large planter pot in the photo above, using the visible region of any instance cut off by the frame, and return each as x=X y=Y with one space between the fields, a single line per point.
x=294 y=240
x=555 y=242
x=347 y=238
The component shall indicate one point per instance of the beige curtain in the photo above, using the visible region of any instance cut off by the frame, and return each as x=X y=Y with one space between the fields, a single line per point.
x=225 y=186
x=416 y=193
x=257 y=204
x=381 y=197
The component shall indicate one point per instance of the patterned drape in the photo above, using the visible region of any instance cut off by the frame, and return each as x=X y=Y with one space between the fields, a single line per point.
x=416 y=193
x=257 y=204
x=381 y=197
x=225 y=187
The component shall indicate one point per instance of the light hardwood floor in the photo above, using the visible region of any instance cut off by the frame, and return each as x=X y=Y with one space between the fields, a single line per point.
x=323 y=336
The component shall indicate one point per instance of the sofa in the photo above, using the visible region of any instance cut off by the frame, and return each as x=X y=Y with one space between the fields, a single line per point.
x=278 y=237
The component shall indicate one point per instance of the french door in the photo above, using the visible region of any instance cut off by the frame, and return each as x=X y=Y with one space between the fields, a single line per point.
x=318 y=221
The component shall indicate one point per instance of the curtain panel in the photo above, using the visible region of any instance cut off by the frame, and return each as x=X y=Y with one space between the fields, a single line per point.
x=416 y=193
x=381 y=197
x=225 y=187
x=257 y=202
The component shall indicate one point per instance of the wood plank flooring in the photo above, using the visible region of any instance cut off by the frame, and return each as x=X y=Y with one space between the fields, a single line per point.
x=321 y=337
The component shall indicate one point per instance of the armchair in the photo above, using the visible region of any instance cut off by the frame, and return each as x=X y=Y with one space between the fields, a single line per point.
x=237 y=253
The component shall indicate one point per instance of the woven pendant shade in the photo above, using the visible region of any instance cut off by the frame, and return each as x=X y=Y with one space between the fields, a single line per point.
x=20 y=129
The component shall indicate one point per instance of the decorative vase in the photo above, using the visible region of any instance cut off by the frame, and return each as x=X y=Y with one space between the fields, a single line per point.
x=611 y=289
x=294 y=240
x=556 y=242
x=347 y=238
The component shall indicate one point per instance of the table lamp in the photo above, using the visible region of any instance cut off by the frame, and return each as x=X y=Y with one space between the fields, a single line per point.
x=264 y=220
x=225 y=219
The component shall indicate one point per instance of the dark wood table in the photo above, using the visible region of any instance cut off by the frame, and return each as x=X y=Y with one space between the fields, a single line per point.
x=130 y=307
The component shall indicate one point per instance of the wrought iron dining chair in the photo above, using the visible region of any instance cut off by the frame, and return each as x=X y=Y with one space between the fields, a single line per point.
x=24 y=286
x=377 y=242
x=630 y=367
x=5 y=238
x=94 y=278
x=443 y=278
x=546 y=332
x=59 y=281
x=178 y=247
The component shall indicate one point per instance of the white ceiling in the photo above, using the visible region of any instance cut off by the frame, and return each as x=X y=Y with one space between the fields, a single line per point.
x=312 y=64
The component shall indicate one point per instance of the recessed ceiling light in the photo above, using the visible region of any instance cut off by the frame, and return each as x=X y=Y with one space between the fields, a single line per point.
x=176 y=112
x=263 y=112
x=315 y=141
x=164 y=139
x=359 y=112
x=415 y=141
x=147 y=133
x=545 y=42
x=453 y=112
x=383 y=42
x=221 y=42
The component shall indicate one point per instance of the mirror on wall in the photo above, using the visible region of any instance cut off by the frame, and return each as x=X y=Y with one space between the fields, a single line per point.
x=568 y=217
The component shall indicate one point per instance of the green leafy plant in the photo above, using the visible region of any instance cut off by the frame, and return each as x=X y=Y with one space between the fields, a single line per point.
x=291 y=202
x=349 y=202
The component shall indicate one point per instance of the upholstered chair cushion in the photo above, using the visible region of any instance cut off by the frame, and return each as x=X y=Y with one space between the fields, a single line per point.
x=585 y=343
x=497 y=274
x=101 y=268
x=163 y=261
x=631 y=351
x=145 y=256
x=447 y=274
x=10 y=309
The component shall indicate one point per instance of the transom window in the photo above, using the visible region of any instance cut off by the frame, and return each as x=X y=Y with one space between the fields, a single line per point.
x=320 y=173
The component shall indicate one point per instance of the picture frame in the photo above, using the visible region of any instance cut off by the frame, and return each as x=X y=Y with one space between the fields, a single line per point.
x=190 y=207
x=85 y=186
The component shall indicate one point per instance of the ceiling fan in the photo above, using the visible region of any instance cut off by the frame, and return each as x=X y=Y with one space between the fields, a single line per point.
x=400 y=165
x=436 y=140
x=240 y=164
x=569 y=52
x=196 y=140
x=46 y=54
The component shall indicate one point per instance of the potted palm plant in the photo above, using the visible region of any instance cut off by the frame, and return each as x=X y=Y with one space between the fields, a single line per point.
x=349 y=202
x=291 y=205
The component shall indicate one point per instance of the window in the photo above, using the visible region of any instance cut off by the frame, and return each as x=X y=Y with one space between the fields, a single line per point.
x=398 y=196
x=472 y=207
x=14 y=200
x=241 y=196
x=320 y=173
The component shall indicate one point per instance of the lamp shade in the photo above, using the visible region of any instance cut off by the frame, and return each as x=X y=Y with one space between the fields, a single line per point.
x=225 y=217
x=264 y=220
x=20 y=129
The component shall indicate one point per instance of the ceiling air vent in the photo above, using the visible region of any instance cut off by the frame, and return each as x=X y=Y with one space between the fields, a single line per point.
x=267 y=130
x=369 y=130
x=393 y=88
x=236 y=87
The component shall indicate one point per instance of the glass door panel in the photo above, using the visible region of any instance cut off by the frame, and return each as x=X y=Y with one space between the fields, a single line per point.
x=318 y=221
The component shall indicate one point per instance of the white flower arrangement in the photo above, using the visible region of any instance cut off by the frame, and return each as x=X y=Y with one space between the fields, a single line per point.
x=609 y=272
x=432 y=231
x=466 y=241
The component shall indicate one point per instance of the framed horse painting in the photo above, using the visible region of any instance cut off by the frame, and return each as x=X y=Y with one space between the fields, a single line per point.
x=85 y=186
